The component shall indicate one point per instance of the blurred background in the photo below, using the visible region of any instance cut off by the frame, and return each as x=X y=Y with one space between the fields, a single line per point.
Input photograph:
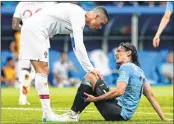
x=136 y=22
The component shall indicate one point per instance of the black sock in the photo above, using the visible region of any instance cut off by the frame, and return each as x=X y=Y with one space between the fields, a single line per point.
x=79 y=103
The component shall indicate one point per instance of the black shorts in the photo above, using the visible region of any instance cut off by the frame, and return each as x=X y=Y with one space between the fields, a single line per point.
x=109 y=108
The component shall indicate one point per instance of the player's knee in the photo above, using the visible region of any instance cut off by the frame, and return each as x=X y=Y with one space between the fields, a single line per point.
x=91 y=77
x=43 y=70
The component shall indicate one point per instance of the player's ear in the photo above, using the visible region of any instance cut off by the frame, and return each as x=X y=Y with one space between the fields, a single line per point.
x=129 y=52
x=96 y=16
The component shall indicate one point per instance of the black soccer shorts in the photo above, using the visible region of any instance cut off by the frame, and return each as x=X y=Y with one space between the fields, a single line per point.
x=108 y=109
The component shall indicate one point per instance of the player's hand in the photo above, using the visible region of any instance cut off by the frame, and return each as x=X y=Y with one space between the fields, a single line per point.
x=97 y=74
x=90 y=98
x=156 y=41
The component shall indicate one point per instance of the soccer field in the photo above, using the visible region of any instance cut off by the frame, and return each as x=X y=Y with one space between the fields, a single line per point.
x=61 y=101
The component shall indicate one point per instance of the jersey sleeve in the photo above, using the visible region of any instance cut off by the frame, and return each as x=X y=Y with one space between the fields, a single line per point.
x=170 y=6
x=124 y=73
x=78 y=45
x=17 y=13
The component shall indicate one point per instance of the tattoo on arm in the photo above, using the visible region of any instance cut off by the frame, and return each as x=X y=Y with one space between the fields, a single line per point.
x=16 y=24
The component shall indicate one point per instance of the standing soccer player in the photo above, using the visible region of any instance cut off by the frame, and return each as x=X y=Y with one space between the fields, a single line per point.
x=165 y=20
x=121 y=102
x=24 y=10
x=62 y=18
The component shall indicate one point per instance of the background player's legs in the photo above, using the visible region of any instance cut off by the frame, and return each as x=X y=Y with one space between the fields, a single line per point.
x=41 y=84
x=24 y=66
x=22 y=94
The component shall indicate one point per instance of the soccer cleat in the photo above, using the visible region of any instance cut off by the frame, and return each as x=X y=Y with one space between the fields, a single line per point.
x=23 y=100
x=70 y=116
x=24 y=103
x=52 y=117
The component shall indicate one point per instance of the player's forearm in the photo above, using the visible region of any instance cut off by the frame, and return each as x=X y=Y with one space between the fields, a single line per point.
x=156 y=106
x=109 y=95
x=82 y=56
x=162 y=25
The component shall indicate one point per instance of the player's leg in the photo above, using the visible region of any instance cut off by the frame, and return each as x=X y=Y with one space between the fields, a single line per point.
x=108 y=109
x=79 y=103
x=24 y=66
x=30 y=41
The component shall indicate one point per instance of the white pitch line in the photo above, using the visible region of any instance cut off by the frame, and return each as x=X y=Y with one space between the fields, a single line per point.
x=65 y=109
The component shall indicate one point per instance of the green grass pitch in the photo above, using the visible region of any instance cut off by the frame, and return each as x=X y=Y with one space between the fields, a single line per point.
x=61 y=101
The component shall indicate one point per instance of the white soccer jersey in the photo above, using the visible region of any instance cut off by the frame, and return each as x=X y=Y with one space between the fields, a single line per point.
x=25 y=10
x=62 y=18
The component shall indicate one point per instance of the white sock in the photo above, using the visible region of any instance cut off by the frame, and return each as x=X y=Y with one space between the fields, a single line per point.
x=22 y=97
x=41 y=84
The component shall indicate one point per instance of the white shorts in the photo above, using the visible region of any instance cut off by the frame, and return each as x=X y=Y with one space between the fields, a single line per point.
x=33 y=45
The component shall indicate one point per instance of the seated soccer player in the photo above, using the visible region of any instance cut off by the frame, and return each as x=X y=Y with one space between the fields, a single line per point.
x=121 y=102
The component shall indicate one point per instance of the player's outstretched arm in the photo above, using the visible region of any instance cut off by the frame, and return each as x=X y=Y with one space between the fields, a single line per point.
x=163 y=24
x=147 y=91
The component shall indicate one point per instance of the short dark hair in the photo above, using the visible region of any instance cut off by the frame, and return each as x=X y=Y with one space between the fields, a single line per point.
x=102 y=10
x=134 y=55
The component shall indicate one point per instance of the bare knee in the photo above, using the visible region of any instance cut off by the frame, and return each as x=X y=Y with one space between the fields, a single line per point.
x=92 y=78
x=41 y=67
x=43 y=70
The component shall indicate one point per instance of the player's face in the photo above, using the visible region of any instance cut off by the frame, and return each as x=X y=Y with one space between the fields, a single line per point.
x=121 y=55
x=11 y=63
x=64 y=56
x=97 y=23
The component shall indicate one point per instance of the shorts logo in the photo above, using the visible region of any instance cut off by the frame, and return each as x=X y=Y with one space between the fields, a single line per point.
x=45 y=54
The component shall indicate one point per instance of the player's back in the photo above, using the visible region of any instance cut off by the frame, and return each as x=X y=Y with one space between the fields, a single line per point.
x=24 y=10
x=131 y=97
x=56 y=18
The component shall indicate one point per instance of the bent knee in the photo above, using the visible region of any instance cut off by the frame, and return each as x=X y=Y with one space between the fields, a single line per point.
x=91 y=77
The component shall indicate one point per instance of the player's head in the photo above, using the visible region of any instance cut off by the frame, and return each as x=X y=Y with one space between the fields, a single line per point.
x=127 y=52
x=97 y=17
x=10 y=62
x=64 y=55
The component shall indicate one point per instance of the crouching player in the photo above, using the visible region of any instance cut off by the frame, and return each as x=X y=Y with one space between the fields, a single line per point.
x=121 y=102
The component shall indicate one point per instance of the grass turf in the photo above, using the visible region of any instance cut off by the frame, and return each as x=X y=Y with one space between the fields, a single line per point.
x=61 y=101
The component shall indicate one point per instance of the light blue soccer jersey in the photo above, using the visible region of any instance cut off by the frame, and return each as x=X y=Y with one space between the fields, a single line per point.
x=170 y=6
x=135 y=79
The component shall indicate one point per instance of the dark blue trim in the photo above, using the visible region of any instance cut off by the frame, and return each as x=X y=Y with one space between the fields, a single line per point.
x=72 y=43
x=110 y=9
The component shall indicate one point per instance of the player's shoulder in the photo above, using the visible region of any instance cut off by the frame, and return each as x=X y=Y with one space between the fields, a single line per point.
x=127 y=65
x=20 y=4
x=57 y=64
